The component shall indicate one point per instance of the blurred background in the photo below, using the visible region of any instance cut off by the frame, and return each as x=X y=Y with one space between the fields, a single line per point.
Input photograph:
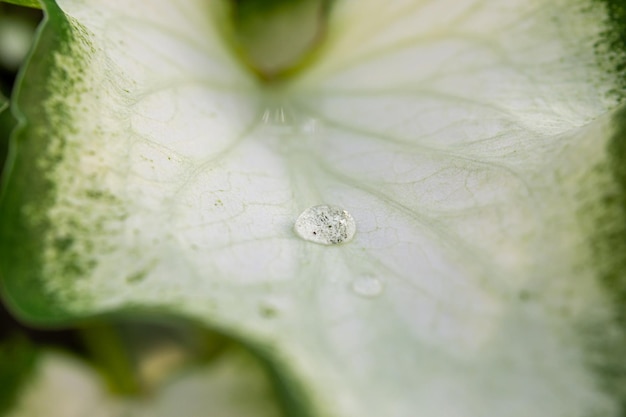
x=17 y=30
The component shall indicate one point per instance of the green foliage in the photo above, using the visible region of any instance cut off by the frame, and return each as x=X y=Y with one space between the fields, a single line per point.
x=276 y=38
x=7 y=123
x=17 y=360
x=611 y=48
x=26 y=3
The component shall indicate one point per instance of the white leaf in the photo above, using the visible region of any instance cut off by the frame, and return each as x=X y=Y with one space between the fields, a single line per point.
x=463 y=138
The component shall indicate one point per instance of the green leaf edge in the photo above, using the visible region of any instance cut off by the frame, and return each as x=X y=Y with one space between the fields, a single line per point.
x=612 y=48
x=26 y=3
x=608 y=244
x=7 y=123
x=20 y=281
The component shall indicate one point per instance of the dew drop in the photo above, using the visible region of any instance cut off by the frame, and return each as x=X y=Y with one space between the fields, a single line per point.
x=367 y=286
x=327 y=225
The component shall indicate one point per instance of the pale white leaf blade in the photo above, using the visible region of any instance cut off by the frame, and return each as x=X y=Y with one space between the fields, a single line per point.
x=459 y=142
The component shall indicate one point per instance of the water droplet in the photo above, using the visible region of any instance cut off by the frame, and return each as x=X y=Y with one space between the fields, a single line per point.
x=327 y=225
x=367 y=286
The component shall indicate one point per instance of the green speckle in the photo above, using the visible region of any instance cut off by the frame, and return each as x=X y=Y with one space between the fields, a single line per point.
x=610 y=241
x=608 y=342
x=137 y=277
x=267 y=311
x=95 y=194
x=64 y=243
x=611 y=49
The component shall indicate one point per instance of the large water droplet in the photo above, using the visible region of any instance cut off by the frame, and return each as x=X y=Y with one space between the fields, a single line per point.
x=367 y=286
x=327 y=225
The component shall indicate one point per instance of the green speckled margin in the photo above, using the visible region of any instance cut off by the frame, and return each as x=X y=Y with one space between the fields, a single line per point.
x=616 y=279
x=611 y=49
x=610 y=245
x=22 y=214
x=609 y=237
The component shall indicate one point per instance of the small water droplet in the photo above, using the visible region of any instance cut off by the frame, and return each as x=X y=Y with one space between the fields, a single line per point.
x=327 y=225
x=367 y=286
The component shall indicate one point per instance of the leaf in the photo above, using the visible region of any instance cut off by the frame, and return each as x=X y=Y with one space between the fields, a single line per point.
x=27 y=3
x=233 y=386
x=475 y=146
x=276 y=37
x=18 y=358
x=7 y=123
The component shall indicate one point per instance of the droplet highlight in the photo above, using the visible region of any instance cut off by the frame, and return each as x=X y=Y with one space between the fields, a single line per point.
x=326 y=225
x=367 y=286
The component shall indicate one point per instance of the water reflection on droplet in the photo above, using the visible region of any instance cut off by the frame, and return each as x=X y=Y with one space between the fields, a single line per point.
x=367 y=286
x=327 y=225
